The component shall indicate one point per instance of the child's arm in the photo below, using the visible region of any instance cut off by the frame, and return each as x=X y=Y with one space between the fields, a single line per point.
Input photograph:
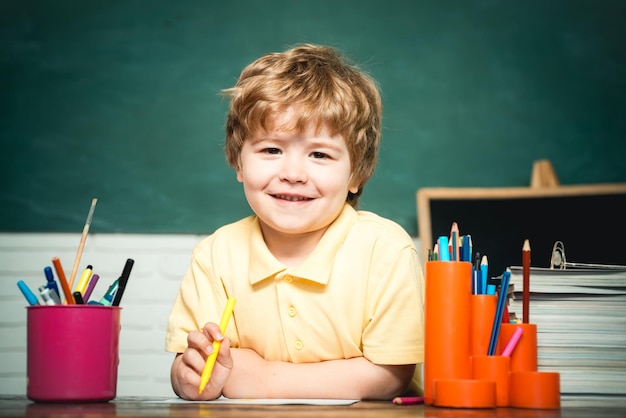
x=356 y=378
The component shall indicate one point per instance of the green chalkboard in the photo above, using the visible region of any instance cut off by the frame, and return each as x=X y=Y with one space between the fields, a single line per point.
x=119 y=100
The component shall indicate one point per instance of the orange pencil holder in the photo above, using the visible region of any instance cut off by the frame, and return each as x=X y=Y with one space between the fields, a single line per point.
x=496 y=369
x=447 y=317
x=524 y=357
x=535 y=390
x=483 y=312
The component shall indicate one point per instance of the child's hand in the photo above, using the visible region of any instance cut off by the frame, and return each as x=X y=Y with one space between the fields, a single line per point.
x=188 y=366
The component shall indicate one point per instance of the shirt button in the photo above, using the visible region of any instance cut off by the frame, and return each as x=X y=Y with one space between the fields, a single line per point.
x=291 y=311
x=299 y=345
x=287 y=279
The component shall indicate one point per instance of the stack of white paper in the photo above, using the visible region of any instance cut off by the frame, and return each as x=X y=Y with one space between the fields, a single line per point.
x=581 y=326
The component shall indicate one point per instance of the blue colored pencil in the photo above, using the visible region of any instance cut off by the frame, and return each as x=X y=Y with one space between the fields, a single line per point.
x=444 y=250
x=497 y=320
x=484 y=274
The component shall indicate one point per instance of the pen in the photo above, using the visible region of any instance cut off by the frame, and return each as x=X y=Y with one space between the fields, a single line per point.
x=64 y=285
x=78 y=298
x=122 y=282
x=90 y=287
x=410 y=400
x=210 y=360
x=50 y=283
x=84 y=279
x=107 y=299
x=49 y=296
x=28 y=294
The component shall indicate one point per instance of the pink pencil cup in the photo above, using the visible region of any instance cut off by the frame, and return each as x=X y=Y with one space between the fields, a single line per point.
x=72 y=353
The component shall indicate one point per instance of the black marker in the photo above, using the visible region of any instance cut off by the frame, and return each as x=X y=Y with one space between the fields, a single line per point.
x=122 y=282
x=78 y=298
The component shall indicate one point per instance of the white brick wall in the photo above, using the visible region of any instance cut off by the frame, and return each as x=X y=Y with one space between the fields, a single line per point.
x=160 y=262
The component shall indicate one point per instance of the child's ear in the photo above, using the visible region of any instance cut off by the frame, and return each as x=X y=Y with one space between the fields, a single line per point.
x=353 y=188
x=239 y=171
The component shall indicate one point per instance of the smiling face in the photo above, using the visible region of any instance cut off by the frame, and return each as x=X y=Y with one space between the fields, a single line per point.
x=325 y=87
x=295 y=181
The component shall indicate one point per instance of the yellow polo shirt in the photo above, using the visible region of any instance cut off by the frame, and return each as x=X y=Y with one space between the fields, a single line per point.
x=359 y=293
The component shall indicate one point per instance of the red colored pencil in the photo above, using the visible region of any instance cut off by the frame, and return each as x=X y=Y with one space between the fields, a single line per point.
x=454 y=242
x=410 y=400
x=526 y=281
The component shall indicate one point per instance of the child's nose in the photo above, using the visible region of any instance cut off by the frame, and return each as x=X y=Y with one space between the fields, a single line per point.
x=293 y=170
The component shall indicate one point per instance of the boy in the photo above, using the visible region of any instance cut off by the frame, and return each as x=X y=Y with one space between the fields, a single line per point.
x=329 y=299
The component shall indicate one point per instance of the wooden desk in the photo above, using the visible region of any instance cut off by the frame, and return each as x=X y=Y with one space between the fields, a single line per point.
x=19 y=406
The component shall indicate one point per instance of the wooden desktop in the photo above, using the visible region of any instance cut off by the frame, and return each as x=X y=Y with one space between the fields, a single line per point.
x=20 y=406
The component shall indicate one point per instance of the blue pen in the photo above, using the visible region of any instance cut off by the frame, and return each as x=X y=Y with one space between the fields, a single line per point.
x=444 y=250
x=28 y=294
x=51 y=283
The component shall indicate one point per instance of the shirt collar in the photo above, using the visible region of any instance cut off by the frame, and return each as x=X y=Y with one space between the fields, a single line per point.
x=318 y=265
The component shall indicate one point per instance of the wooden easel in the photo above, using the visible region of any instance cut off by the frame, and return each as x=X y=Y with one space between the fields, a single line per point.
x=543 y=175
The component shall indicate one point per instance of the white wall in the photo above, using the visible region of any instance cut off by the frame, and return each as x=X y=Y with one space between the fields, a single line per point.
x=160 y=262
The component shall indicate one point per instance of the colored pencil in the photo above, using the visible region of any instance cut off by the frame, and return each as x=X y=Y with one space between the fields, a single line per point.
x=526 y=282
x=210 y=360
x=467 y=248
x=454 y=241
x=69 y=299
x=510 y=346
x=497 y=320
x=408 y=400
x=444 y=249
x=484 y=274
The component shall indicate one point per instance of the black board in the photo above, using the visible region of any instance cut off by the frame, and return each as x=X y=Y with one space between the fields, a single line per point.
x=589 y=220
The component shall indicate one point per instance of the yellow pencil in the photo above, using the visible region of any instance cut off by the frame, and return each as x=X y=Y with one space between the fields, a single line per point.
x=210 y=361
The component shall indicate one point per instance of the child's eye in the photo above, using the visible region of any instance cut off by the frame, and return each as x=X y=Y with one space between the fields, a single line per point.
x=317 y=154
x=271 y=151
